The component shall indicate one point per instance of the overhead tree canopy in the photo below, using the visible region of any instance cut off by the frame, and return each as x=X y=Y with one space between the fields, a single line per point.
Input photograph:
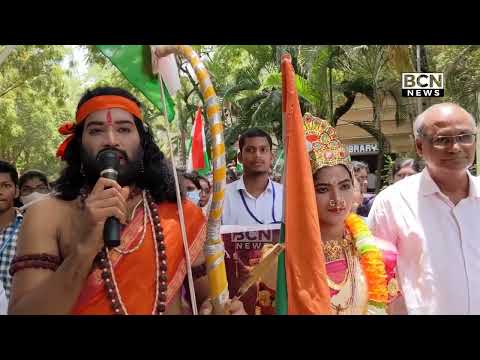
x=37 y=92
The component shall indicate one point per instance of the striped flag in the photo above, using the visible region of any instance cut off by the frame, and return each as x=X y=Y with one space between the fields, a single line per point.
x=197 y=153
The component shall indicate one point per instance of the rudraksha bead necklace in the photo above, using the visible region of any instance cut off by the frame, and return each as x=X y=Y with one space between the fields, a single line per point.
x=108 y=274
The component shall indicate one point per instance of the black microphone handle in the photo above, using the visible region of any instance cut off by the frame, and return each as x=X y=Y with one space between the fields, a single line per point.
x=111 y=229
x=111 y=232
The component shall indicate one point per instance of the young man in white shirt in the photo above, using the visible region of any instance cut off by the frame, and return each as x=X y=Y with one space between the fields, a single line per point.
x=254 y=198
x=253 y=201
x=432 y=217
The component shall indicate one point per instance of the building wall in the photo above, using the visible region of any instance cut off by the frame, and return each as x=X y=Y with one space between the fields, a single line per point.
x=363 y=146
x=400 y=138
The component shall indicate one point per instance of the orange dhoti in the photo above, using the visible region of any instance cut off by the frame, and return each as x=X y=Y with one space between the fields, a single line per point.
x=135 y=273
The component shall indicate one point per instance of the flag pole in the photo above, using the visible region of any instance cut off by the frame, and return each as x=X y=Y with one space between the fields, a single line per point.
x=179 y=204
x=419 y=69
x=281 y=301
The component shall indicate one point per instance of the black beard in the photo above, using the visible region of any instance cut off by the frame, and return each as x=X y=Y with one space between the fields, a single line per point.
x=127 y=173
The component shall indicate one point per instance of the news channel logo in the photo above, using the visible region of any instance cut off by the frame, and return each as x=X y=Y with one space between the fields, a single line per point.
x=423 y=85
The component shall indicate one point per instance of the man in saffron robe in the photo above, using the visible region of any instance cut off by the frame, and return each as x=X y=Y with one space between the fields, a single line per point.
x=145 y=273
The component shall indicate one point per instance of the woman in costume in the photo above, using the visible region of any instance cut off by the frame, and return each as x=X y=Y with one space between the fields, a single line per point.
x=360 y=268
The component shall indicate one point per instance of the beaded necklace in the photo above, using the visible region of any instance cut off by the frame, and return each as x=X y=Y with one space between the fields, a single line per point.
x=108 y=274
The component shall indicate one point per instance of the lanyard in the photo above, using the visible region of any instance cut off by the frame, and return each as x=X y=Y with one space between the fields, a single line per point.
x=250 y=212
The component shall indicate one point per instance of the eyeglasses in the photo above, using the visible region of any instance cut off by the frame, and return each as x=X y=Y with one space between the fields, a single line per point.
x=26 y=190
x=443 y=142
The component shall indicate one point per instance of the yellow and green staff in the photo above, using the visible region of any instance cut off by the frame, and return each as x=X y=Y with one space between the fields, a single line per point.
x=214 y=248
x=132 y=61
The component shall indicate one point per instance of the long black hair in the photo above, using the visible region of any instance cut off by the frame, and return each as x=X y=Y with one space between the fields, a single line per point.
x=193 y=178
x=157 y=174
x=10 y=169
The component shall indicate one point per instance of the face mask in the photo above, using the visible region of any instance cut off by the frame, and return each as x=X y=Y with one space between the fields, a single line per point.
x=194 y=196
x=32 y=197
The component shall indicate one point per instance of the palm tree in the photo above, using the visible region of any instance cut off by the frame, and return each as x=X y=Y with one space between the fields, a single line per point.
x=325 y=75
x=374 y=71
x=255 y=90
x=251 y=101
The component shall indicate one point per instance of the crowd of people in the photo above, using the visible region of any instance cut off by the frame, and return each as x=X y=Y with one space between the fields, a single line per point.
x=420 y=230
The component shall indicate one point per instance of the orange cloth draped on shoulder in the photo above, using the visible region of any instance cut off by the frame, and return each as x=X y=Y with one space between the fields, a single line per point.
x=135 y=273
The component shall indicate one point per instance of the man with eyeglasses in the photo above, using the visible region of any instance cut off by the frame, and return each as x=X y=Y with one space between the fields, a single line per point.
x=33 y=185
x=433 y=217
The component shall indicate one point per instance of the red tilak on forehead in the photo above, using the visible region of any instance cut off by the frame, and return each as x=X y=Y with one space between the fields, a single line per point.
x=109 y=118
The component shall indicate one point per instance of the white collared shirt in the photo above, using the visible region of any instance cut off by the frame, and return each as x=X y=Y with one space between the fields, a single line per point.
x=438 y=244
x=235 y=212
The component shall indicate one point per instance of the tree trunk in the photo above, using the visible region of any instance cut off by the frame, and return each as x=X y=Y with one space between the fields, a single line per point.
x=381 y=153
x=330 y=88
x=377 y=102
x=343 y=109
x=380 y=164
x=383 y=146
x=426 y=102
x=423 y=59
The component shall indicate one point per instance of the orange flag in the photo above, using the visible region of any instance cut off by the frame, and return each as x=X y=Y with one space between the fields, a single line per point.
x=306 y=284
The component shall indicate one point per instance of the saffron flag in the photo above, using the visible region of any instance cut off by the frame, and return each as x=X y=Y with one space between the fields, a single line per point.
x=302 y=287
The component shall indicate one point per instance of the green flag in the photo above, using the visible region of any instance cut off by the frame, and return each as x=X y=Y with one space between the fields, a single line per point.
x=281 y=298
x=239 y=168
x=134 y=62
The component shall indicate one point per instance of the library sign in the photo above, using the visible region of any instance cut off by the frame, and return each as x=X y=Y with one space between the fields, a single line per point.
x=363 y=149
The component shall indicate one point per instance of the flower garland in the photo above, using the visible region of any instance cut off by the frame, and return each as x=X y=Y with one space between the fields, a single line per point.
x=371 y=260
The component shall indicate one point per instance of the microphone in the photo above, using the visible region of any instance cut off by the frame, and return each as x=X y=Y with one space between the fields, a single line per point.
x=109 y=163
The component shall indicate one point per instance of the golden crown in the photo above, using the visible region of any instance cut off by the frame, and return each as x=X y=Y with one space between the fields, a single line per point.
x=325 y=149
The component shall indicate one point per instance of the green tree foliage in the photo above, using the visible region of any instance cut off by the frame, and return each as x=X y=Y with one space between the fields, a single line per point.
x=37 y=94
x=461 y=67
x=33 y=102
